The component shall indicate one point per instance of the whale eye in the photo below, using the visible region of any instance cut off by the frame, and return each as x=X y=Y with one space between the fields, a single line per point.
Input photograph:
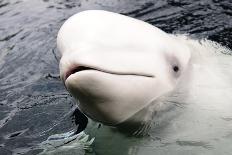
x=175 y=68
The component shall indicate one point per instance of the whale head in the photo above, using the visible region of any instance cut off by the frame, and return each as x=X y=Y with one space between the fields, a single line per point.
x=115 y=65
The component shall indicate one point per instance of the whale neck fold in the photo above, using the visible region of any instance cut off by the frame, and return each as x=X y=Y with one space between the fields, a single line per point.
x=205 y=86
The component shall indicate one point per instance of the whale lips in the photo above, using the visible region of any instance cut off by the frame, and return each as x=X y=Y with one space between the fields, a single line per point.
x=80 y=68
x=77 y=69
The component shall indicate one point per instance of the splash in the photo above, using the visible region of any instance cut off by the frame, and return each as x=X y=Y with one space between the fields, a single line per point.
x=66 y=142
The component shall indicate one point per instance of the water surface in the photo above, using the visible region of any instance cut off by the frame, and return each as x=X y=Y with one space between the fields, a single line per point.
x=33 y=101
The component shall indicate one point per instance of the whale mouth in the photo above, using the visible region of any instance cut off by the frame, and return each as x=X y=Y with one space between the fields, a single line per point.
x=77 y=69
x=101 y=91
x=86 y=68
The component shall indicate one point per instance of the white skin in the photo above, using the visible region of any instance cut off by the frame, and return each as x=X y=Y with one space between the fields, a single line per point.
x=131 y=76
x=130 y=66
x=130 y=62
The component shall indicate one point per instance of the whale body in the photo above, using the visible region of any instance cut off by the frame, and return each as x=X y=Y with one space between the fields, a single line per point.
x=127 y=73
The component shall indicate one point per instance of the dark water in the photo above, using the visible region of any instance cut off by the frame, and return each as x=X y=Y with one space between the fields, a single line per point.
x=33 y=101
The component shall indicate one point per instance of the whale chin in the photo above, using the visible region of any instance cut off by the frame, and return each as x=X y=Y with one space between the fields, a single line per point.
x=104 y=96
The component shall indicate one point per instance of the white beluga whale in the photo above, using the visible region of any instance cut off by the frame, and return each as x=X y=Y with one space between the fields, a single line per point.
x=126 y=73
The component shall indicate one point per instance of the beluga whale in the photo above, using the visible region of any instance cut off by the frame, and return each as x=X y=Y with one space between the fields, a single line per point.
x=127 y=73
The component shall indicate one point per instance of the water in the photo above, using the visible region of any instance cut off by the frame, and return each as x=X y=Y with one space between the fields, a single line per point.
x=33 y=101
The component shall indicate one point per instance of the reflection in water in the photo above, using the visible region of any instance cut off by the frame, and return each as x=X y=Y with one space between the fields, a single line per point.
x=34 y=104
